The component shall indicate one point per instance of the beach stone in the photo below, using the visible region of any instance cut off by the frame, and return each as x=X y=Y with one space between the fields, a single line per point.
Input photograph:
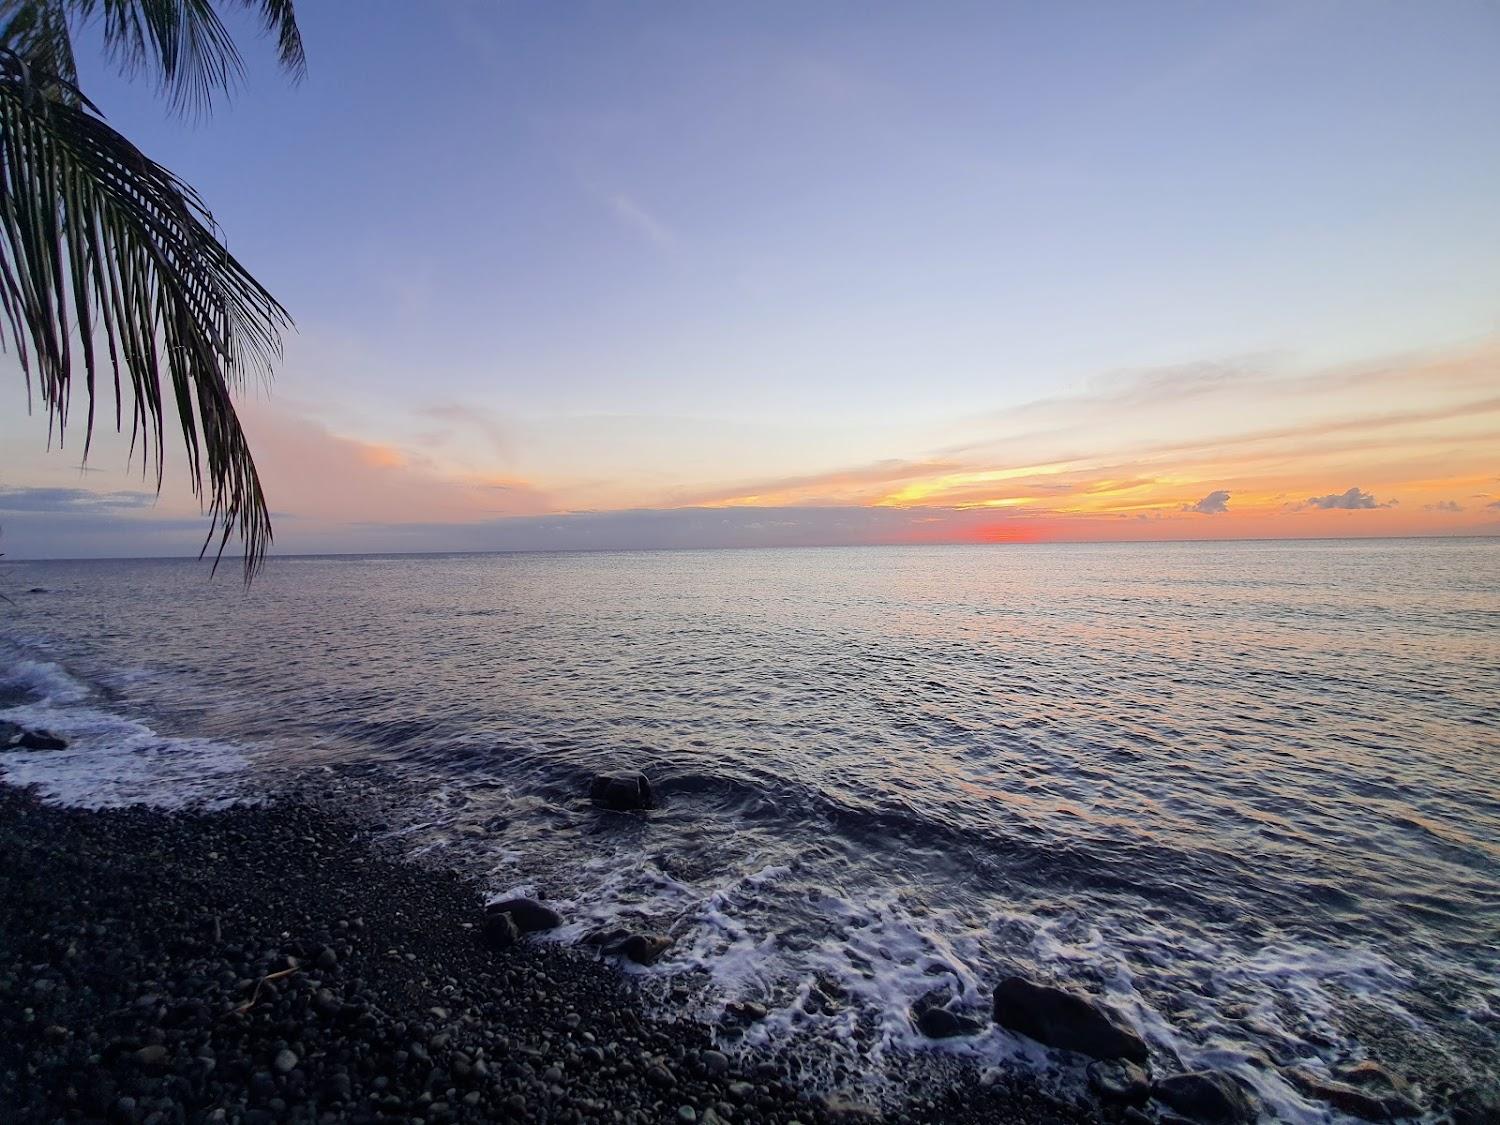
x=643 y=949
x=1206 y=1096
x=500 y=931
x=627 y=792
x=748 y=1011
x=285 y=1061
x=940 y=1023
x=39 y=740
x=1059 y=1018
x=1118 y=1081
x=714 y=1062
x=529 y=915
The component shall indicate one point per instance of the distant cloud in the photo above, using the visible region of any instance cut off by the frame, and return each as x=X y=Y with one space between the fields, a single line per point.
x=74 y=500
x=640 y=220
x=1211 y=505
x=1353 y=499
x=1493 y=504
x=1444 y=506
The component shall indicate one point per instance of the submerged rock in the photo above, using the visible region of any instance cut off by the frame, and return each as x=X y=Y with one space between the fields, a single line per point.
x=1116 y=1080
x=529 y=915
x=1372 y=1105
x=1206 y=1096
x=626 y=792
x=17 y=737
x=1059 y=1018
x=746 y=1011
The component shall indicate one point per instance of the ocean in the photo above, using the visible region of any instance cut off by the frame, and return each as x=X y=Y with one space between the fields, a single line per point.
x=1247 y=794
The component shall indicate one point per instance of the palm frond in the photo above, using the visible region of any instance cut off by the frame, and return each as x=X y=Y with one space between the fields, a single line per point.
x=183 y=42
x=37 y=31
x=99 y=243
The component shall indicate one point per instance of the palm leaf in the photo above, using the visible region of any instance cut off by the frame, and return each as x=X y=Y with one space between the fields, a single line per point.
x=99 y=244
x=184 y=42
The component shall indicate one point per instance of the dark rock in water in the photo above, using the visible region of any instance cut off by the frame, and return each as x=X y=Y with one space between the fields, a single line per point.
x=9 y=732
x=1350 y=1099
x=1475 y=1107
x=1206 y=1096
x=529 y=915
x=940 y=1023
x=1059 y=1018
x=500 y=931
x=933 y=1018
x=1118 y=1081
x=748 y=1011
x=37 y=590
x=643 y=949
x=626 y=792
x=40 y=740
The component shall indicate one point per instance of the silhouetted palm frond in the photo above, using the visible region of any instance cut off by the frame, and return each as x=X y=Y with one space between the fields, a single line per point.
x=101 y=246
x=183 y=42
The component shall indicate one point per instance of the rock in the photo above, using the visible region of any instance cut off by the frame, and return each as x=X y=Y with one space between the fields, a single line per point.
x=327 y=959
x=154 y=1055
x=1115 y=1080
x=1350 y=1099
x=1059 y=1018
x=940 y=1023
x=1475 y=1106
x=643 y=949
x=714 y=1062
x=9 y=732
x=285 y=1061
x=687 y=1113
x=529 y=915
x=500 y=931
x=625 y=792
x=658 y=1075
x=1206 y=1096
x=747 y=1011
x=39 y=740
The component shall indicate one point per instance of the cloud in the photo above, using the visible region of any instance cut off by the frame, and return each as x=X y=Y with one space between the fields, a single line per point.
x=1213 y=504
x=640 y=220
x=76 y=500
x=1444 y=506
x=1351 y=500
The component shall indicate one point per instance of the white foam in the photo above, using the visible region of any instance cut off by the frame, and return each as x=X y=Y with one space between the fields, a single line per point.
x=111 y=760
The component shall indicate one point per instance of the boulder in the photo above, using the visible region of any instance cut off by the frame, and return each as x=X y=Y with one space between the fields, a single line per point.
x=1059 y=1018
x=1116 y=1080
x=529 y=915
x=625 y=792
x=500 y=931
x=1206 y=1096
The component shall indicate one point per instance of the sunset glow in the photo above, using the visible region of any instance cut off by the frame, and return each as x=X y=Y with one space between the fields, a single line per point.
x=895 y=287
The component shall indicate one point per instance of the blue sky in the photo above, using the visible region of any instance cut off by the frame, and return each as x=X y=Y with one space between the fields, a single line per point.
x=626 y=253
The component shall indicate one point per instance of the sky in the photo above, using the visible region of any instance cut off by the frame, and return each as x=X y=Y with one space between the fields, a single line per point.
x=600 y=275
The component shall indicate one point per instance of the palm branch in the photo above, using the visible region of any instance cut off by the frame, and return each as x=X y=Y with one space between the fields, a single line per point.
x=102 y=249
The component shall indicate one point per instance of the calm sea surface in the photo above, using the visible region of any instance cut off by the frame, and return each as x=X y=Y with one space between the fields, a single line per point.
x=1247 y=793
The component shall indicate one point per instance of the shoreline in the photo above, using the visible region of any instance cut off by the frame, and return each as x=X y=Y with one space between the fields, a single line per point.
x=274 y=962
